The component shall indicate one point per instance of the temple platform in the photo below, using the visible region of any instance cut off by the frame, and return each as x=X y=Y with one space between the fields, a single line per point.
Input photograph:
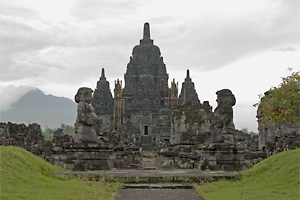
x=88 y=156
x=153 y=176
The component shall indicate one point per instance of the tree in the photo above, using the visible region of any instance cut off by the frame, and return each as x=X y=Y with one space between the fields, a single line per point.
x=244 y=130
x=67 y=129
x=280 y=105
x=48 y=133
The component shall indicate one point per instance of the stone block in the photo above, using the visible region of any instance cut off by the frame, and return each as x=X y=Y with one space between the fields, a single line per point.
x=84 y=165
x=55 y=157
x=212 y=162
x=168 y=153
x=88 y=146
x=229 y=157
x=57 y=149
x=228 y=167
x=88 y=155
x=183 y=155
x=192 y=157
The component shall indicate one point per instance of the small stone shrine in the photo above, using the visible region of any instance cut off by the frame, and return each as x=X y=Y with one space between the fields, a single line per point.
x=188 y=93
x=103 y=103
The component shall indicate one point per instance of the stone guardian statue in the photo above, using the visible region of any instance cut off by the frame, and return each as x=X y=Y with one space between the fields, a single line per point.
x=87 y=122
x=222 y=127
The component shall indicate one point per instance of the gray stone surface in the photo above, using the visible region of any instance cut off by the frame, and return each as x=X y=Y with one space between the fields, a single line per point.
x=87 y=123
x=146 y=86
x=190 y=123
x=166 y=175
x=88 y=156
x=103 y=103
x=28 y=137
x=268 y=134
x=158 y=194
x=142 y=110
x=222 y=156
x=222 y=127
x=188 y=93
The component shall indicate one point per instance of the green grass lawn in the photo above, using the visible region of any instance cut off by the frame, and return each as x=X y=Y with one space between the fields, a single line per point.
x=275 y=178
x=26 y=176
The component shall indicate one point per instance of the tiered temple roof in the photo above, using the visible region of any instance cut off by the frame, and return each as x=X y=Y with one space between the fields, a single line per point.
x=102 y=99
x=188 y=93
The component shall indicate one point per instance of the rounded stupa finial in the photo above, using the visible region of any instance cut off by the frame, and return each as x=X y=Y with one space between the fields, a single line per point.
x=146 y=35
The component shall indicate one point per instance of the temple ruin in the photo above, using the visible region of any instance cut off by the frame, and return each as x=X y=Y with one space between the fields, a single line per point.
x=142 y=111
x=149 y=118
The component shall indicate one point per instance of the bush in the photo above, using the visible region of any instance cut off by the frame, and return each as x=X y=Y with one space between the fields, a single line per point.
x=280 y=105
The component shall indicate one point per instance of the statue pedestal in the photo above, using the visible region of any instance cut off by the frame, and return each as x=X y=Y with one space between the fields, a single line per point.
x=222 y=156
x=88 y=156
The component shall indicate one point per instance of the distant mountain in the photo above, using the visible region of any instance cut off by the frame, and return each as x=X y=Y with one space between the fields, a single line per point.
x=46 y=110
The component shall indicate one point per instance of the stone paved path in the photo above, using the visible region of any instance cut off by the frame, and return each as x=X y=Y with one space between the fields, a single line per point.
x=158 y=194
x=151 y=192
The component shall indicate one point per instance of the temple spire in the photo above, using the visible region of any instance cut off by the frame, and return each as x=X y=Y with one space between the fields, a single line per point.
x=188 y=92
x=146 y=31
x=102 y=75
x=146 y=35
x=188 y=76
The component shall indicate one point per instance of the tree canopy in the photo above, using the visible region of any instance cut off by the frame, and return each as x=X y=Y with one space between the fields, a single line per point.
x=280 y=105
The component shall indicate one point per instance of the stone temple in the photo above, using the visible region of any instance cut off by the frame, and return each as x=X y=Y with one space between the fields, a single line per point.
x=142 y=111
x=147 y=117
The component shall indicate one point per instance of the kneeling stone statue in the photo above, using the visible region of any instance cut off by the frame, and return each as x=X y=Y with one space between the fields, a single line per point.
x=222 y=127
x=87 y=122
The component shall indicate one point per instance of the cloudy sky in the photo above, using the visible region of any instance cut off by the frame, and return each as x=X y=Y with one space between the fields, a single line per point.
x=59 y=46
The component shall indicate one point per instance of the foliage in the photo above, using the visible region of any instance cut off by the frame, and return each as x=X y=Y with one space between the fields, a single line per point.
x=207 y=170
x=67 y=129
x=26 y=176
x=244 y=130
x=48 y=134
x=276 y=178
x=280 y=105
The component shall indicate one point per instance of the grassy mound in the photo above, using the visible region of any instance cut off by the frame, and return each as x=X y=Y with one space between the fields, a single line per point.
x=276 y=177
x=26 y=176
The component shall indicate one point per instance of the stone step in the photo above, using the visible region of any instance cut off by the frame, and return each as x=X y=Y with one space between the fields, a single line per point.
x=157 y=186
x=149 y=168
x=154 y=176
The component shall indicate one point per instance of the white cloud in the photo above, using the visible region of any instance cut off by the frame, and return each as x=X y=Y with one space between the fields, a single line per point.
x=286 y=49
x=215 y=41
x=201 y=36
x=59 y=46
x=11 y=94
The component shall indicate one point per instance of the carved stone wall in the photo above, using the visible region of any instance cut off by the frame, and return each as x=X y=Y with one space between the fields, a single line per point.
x=190 y=122
x=268 y=134
x=28 y=137
x=62 y=151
